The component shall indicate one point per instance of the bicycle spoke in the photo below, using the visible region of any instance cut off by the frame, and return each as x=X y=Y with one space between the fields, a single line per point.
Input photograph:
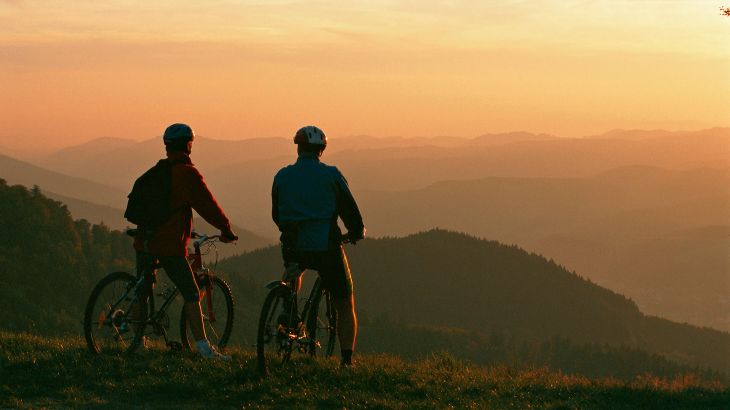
x=106 y=317
x=216 y=302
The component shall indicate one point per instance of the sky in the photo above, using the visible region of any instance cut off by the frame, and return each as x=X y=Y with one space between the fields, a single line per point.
x=72 y=71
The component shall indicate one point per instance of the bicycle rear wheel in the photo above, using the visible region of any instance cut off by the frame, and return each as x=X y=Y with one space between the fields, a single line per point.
x=114 y=317
x=322 y=324
x=216 y=303
x=278 y=329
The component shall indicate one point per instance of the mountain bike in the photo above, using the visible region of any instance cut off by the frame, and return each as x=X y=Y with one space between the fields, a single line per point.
x=284 y=330
x=120 y=314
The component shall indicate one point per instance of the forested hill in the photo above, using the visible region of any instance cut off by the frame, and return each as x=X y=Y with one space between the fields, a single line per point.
x=446 y=279
x=50 y=262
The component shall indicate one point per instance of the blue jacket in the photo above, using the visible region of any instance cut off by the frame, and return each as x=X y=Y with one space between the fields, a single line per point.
x=312 y=195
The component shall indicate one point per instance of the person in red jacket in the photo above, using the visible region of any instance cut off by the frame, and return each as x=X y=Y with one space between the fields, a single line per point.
x=169 y=243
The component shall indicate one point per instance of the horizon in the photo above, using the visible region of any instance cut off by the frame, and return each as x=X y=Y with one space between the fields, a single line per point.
x=33 y=152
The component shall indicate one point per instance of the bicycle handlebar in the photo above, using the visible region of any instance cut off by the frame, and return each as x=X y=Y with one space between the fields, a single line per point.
x=201 y=238
x=193 y=235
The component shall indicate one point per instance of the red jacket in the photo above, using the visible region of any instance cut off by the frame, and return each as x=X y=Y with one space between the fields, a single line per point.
x=189 y=191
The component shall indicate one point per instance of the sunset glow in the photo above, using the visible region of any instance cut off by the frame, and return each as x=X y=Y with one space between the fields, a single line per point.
x=73 y=71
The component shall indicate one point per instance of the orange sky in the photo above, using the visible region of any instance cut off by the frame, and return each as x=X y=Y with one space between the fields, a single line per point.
x=75 y=70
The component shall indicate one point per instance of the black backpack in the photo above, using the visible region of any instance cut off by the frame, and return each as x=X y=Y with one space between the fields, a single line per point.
x=149 y=202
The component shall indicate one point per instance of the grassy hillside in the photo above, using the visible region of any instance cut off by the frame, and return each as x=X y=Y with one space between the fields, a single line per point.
x=38 y=372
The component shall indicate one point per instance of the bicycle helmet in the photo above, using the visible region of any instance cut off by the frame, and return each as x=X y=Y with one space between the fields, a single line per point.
x=178 y=134
x=310 y=135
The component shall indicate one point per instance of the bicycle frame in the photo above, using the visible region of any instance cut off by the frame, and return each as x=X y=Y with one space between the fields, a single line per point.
x=121 y=306
x=290 y=283
x=148 y=279
x=196 y=264
x=143 y=287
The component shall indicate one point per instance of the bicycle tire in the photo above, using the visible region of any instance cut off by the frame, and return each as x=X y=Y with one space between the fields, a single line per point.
x=322 y=318
x=109 y=312
x=273 y=348
x=218 y=335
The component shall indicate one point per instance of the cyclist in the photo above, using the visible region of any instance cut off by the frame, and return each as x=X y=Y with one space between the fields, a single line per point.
x=307 y=198
x=169 y=243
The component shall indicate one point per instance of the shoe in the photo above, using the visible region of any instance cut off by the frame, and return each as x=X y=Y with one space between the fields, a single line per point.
x=207 y=351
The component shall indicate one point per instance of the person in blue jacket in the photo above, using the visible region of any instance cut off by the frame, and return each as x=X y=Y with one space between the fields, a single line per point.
x=308 y=197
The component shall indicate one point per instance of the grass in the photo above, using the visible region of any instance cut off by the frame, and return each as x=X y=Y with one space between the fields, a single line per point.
x=38 y=372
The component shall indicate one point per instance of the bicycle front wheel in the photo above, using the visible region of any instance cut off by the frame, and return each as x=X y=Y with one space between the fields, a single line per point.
x=278 y=329
x=322 y=324
x=114 y=317
x=216 y=304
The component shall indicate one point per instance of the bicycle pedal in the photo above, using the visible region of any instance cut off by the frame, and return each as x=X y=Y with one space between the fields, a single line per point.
x=175 y=346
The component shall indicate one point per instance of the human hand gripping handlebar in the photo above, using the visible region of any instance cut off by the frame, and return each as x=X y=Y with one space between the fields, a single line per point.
x=201 y=238
x=353 y=239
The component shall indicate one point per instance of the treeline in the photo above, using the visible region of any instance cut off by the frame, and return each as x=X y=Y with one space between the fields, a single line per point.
x=50 y=262
x=384 y=334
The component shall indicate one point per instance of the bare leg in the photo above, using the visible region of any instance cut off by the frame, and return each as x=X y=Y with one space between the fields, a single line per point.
x=194 y=317
x=346 y=322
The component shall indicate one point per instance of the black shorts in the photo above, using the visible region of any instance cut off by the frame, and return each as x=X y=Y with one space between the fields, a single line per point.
x=177 y=269
x=333 y=269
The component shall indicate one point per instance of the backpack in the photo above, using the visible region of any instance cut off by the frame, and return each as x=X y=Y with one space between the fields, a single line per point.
x=149 y=202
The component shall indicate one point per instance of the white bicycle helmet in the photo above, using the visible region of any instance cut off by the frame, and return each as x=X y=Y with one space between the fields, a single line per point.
x=310 y=135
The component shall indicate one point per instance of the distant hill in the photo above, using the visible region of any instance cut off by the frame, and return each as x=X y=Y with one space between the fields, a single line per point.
x=240 y=172
x=115 y=161
x=23 y=173
x=684 y=275
x=633 y=135
x=120 y=162
x=94 y=213
x=96 y=147
x=446 y=279
x=592 y=225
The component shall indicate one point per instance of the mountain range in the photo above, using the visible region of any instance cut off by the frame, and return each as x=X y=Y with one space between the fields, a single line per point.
x=623 y=209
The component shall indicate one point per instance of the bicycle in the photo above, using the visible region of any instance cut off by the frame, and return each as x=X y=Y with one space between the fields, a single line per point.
x=120 y=314
x=283 y=330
